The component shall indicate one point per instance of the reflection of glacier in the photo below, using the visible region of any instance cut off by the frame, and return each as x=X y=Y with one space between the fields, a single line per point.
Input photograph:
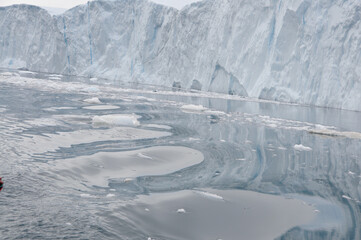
x=259 y=155
x=297 y=51
x=263 y=159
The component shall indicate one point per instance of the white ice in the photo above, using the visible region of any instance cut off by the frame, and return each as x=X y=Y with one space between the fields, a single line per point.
x=117 y=120
x=193 y=108
x=101 y=107
x=299 y=51
x=300 y=147
x=93 y=100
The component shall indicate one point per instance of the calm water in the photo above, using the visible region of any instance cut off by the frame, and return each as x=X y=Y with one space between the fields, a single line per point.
x=150 y=164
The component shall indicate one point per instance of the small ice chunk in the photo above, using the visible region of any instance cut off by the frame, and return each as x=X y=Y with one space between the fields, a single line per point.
x=93 y=100
x=146 y=209
x=194 y=139
x=158 y=126
x=346 y=197
x=51 y=75
x=210 y=195
x=192 y=107
x=68 y=223
x=213 y=112
x=101 y=107
x=112 y=190
x=84 y=195
x=351 y=173
x=6 y=74
x=54 y=78
x=181 y=210
x=109 y=195
x=126 y=180
x=300 y=147
x=143 y=156
x=117 y=119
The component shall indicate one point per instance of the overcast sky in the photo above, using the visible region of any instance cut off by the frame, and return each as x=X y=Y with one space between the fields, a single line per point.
x=72 y=3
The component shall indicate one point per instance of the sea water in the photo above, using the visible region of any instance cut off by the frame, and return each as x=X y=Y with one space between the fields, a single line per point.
x=87 y=160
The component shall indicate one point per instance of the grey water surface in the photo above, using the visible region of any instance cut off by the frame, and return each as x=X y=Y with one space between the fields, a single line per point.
x=159 y=168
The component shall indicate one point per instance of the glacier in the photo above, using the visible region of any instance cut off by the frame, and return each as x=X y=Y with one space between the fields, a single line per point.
x=299 y=51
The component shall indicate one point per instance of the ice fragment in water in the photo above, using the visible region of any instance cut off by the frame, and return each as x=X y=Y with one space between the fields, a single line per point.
x=117 y=119
x=192 y=107
x=300 y=147
x=181 y=210
x=93 y=100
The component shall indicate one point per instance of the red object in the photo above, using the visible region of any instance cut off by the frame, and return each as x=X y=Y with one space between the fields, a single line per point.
x=1 y=184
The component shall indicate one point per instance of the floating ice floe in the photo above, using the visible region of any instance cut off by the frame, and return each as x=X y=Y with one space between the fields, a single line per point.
x=300 y=147
x=193 y=108
x=54 y=109
x=117 y=119
x=181 y=210
x=158 y=126
x=55 y=75
x=127 y=180
x=346 y=197
x=101 y=107
x=194 y=139
x=6 y=74
x=213 y=112
x=27 y=72
x=66 y=108
x=93 y=100
x=54 y=78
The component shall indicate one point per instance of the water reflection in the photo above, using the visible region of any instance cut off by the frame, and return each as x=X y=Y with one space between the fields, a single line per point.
x=254 y=146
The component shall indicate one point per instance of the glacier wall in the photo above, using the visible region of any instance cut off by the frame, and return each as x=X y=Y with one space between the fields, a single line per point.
x=29 y=38
x=301 y=51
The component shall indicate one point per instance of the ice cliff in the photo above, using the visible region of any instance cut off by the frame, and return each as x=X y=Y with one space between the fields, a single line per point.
x=300 y=51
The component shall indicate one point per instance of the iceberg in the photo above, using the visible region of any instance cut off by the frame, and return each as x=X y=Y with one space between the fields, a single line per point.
x=299 y=51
